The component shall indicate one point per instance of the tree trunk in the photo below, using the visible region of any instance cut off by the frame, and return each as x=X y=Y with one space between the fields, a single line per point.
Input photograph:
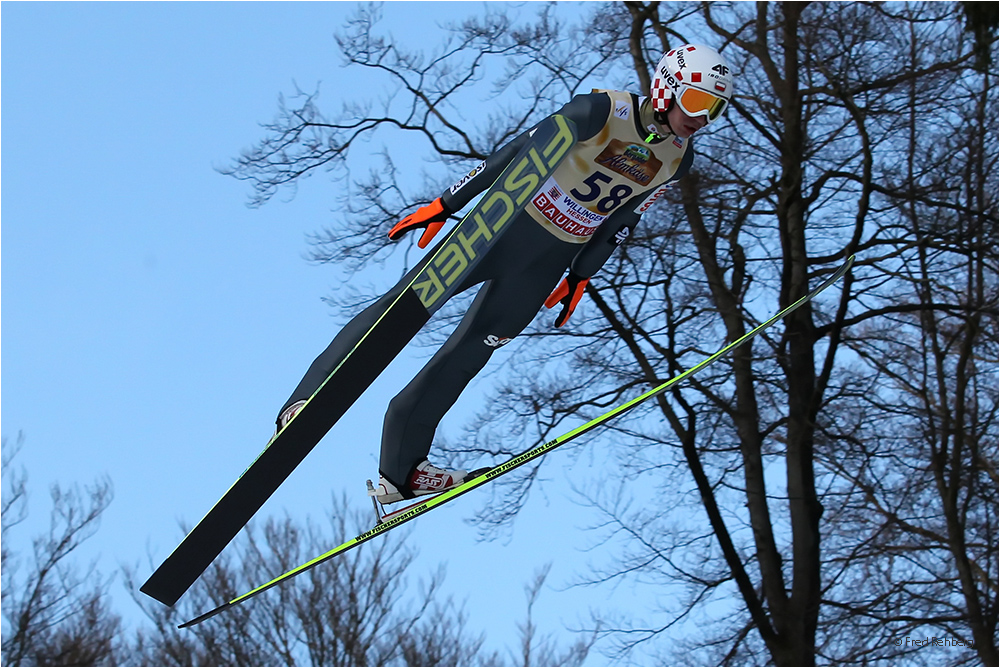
x=796 y=623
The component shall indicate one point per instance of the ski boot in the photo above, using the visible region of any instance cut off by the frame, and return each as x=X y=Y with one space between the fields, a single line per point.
x=426 y=479
x=287 y=415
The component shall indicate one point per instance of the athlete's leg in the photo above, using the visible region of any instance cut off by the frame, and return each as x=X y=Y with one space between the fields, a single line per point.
x=346 y=340
x=501 y=310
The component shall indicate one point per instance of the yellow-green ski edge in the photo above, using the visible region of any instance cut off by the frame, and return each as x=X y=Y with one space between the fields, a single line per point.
x=523 y=458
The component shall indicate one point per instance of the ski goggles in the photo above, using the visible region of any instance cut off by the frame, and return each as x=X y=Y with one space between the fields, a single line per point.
x=697 y=102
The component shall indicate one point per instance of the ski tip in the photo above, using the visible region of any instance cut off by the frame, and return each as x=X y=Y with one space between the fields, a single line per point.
x=844 y=268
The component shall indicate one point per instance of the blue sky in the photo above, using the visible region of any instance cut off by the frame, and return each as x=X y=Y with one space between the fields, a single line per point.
x=152 y=324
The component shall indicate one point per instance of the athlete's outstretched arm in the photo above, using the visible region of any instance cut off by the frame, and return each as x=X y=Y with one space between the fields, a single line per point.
x=612 y=232
x=589 y=113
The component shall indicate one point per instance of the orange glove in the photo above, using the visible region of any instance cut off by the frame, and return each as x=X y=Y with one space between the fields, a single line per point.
x=568 y=294
x=432 y=217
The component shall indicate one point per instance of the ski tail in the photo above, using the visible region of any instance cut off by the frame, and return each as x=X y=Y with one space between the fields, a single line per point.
x=286 y=450
x=487 y=475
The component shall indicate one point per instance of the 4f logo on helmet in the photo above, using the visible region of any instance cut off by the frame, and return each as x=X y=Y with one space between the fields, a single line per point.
x=721 y=69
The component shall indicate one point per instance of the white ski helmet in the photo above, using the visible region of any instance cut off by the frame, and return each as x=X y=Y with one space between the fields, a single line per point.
x=697 y=77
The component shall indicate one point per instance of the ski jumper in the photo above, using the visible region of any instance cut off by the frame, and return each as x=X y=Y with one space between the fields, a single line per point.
x=574 y=222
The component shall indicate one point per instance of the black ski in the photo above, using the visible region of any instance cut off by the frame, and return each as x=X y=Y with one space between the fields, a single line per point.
x=481 y=478
x=441 y=275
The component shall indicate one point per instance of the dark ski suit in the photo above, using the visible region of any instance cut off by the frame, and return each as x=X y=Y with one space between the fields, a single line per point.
x=574 y=222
